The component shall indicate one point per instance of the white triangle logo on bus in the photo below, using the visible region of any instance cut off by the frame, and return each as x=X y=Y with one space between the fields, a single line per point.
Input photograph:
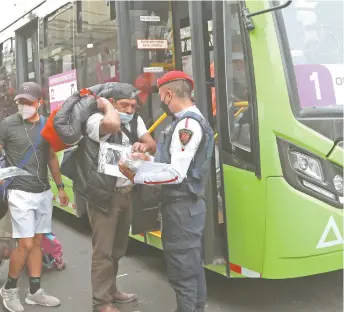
x=331 y=225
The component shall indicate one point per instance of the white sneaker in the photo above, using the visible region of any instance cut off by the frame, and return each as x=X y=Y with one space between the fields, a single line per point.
x=42 y=298
x=11 y=300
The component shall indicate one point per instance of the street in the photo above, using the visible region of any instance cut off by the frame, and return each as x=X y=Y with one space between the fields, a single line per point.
x=142 y=272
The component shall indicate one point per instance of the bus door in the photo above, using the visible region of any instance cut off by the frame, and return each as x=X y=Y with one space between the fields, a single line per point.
x=238 y=139
x=203 y=43
x=154 y=49
x=153 y=25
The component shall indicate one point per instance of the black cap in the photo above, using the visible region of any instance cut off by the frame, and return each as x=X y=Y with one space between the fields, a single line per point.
x=30 y=91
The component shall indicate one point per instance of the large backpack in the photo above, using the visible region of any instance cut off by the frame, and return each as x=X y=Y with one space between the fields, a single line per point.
x=64 y=128
x=49 y=133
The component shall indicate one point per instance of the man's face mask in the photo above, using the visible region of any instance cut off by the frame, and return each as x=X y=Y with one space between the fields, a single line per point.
x=165 y=107
x=126 y=109
x=27 y=111
x=125 y=118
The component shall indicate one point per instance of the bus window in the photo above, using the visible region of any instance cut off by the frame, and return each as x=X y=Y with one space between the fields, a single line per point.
x=152 y=54
x=315 y=59
x=96 y=47
x=237 y=81
x=7 y=78
x=219 y=217
x=56 y=52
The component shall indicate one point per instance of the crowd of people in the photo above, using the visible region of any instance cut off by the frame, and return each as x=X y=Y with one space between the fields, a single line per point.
x=185 y=147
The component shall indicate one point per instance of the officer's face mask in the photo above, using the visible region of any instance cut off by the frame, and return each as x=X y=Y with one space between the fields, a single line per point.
x=125 y=118
x=165 y=106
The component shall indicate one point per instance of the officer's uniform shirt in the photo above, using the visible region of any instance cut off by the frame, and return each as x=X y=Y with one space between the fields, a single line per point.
x=181 y=153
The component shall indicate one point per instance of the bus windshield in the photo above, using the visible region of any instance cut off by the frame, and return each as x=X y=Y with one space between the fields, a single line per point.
x=315 y=35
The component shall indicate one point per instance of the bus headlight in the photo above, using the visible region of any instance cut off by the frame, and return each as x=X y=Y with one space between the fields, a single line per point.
x=311 y=174
x=338 y=182
x=306 y=165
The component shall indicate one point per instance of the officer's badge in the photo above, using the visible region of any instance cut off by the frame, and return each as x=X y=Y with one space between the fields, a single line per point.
x=185 y=136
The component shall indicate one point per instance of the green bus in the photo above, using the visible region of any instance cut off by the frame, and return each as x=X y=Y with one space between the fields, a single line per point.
x=269 y=77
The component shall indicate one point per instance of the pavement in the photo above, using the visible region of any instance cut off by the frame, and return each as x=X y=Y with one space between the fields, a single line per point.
x=142 y=271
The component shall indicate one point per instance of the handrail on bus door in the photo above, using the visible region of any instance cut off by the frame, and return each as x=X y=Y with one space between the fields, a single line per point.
x=161 y=119
x=241 y=104
x=241 y=110
x=156 y=124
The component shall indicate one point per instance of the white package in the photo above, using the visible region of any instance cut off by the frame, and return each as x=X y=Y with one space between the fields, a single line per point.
x=10 y=172
x=142 y=166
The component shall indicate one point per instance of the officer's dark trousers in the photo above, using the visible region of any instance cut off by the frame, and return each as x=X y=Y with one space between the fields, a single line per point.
x=109 y=241
x=183 y=225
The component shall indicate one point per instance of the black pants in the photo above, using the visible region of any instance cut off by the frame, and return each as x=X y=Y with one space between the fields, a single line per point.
x=183 y=226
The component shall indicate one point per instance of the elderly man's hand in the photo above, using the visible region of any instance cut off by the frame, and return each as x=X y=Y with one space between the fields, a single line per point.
x=103 y=104
x=126 y=171
x=140 y=156
x=139 y=147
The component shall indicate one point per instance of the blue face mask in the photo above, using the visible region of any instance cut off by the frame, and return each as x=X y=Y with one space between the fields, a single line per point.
x=125 y=118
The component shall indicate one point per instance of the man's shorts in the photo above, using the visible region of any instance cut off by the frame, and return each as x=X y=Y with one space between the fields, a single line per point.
x=31 y=213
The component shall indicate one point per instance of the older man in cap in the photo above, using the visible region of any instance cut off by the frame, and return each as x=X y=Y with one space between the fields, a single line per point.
x=186 y=146
x=29 y=197
x=108 y=198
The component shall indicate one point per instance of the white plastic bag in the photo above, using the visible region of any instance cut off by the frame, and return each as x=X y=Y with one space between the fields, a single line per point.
x=141 y=166
x=10 y=172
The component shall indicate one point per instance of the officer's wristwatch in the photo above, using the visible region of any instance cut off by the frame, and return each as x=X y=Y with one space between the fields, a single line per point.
x=60 y=186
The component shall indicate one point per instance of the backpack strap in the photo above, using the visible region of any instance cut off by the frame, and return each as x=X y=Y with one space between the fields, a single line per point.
x=33 y=147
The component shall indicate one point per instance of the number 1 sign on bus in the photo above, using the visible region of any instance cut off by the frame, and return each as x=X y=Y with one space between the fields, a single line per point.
x=320 y=85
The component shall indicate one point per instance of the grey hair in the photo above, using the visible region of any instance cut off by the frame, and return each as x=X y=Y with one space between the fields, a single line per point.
x=181 y=88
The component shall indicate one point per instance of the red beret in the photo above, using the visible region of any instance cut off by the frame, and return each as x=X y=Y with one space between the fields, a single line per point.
x=173 y=76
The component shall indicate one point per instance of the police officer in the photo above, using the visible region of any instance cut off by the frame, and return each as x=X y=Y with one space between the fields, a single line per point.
x=186 y=148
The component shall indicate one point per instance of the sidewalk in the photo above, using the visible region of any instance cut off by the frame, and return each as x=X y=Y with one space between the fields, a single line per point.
x=142 y=272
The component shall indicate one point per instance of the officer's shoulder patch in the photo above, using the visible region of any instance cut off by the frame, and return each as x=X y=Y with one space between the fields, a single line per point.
x=185 y=136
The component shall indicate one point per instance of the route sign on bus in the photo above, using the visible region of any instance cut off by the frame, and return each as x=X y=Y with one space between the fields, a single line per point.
x=152 y=44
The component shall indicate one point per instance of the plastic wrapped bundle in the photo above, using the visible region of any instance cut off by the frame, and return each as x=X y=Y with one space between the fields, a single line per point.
x=141 y=166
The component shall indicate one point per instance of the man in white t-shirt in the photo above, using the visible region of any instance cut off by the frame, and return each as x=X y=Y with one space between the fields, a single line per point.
x=110 y=222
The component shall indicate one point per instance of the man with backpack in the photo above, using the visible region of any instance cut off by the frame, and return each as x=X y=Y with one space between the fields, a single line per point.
x=29 y=197
x=108 y=198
